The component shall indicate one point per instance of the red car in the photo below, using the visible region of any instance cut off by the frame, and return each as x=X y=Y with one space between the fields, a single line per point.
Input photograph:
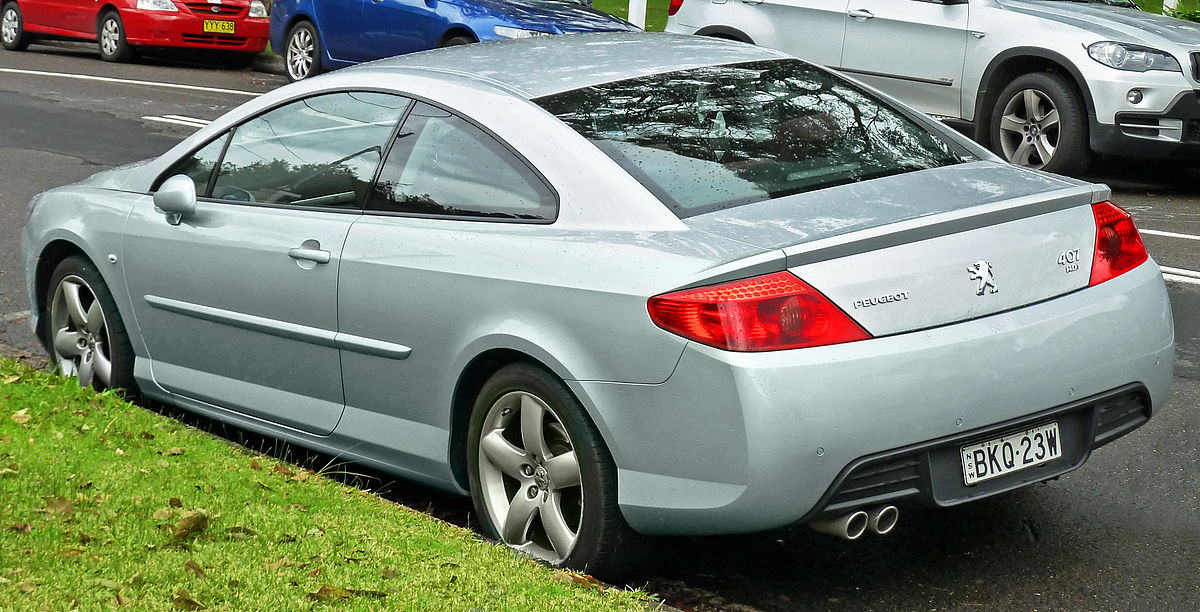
x=122 y=26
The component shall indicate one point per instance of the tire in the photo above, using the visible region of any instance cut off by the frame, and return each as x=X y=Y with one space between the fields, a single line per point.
x=455 y=41
x=302 y=52
x=576 y=487
x=82 y=328
x=110 y=34
x=12 y=28
x=1039 y=122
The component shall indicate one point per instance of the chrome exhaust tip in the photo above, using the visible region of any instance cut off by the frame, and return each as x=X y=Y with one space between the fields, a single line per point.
x=883 y=519
x=847 y=526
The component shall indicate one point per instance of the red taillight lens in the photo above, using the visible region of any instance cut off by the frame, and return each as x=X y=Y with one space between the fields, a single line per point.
x=1119 y=247
x=765 y=313
x=673 y=7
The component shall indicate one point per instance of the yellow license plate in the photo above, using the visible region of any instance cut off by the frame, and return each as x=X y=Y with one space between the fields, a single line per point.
x=215 y=26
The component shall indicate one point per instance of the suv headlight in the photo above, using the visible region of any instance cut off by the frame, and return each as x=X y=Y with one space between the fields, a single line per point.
x=156 y=5
x=258 y=9
x=1134 y=58
x=507 y=32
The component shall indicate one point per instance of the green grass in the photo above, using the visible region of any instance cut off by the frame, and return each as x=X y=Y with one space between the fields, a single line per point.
x=105 y=504
x=656 y=11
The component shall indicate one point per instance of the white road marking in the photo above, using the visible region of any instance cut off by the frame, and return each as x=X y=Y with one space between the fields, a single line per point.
x=1168 y=234
x=1181 y=279
x=88 y=77
x=191 y=119
x=166 y=119
x=1180 y=271
x=14 y=316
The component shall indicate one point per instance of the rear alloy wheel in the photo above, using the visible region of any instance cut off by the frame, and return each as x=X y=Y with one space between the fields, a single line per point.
x=111 y=36
x=12 y=28
x=302 y=52
x=541 y=478
x=1038 y=122
x=84 y=333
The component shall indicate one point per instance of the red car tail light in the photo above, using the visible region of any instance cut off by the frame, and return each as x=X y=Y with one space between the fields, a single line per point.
x=765 y=313
x=673 y=7
x=1119 y=247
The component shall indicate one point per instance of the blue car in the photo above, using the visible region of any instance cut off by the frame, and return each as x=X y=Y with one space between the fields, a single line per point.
x=319 y=35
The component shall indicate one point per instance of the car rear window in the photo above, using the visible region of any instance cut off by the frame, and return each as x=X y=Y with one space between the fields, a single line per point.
x=709 y=138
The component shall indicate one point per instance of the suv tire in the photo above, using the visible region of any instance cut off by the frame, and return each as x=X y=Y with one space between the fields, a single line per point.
x=1039 y=121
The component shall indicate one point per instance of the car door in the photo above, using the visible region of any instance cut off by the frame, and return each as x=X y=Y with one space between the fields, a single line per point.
x=809 y=29
x=237 y=303
x=394 y=27
x=912 y=49
x=447 y=203
x=339 y=24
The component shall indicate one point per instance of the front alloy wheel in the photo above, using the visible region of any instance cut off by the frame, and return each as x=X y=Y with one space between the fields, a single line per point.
x=12 y=29
x=530 y=478
x=1039 y=122
x=80 y=334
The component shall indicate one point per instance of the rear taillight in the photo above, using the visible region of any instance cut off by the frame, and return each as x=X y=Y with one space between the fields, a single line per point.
x=673 y=7
x=1119 y=247
x=765 y=313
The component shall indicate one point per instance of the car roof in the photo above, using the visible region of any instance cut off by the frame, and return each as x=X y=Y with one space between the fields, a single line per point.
x=536 y=67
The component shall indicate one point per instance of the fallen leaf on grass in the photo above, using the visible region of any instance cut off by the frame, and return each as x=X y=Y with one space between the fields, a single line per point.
x=584 y=580
x=389 y=573
x=191 y=523
x=174 y=502
x=120 y=453
x=239 y=533
x=20 y=417
x=172 y=452
x=194 y=568
x=163 y=514
x=71 y=552
x=7 y=472
x=11 y=379
x=281 y=470
x=184 y=601
x=255 y=465
x=278 y=564
x=314 y=572
x=111 y=585
x=119 y=600
x=145 y=435
x=26 y=587
x=61 y=506
x=328 y=592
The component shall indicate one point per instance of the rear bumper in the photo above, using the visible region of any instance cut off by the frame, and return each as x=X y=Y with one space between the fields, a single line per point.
x=1171 y=133
x=740 y=442
x=156 y=29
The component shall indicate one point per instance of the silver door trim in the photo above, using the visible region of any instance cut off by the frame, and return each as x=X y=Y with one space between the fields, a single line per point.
x=942 y=82
x=282 y=329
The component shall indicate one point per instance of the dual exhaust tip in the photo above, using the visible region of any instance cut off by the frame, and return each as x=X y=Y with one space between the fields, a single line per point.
x=879 y=520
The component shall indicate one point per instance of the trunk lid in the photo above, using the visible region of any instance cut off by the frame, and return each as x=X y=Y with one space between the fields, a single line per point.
x=912 y=252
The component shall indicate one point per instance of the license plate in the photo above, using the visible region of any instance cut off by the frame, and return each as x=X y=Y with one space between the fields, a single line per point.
x=1011 y=453
x=216 y=26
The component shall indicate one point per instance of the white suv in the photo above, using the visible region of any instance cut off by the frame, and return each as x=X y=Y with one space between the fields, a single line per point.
x=1045 y=83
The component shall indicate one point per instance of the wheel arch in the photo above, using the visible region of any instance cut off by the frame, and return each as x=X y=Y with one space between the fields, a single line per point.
x=726 y=32
x=456 y=30
x=102 y=10
x=48 y=260
x=1013 y=63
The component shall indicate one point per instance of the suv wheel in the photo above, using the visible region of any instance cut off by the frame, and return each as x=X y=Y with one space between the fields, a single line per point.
x=1039 y=122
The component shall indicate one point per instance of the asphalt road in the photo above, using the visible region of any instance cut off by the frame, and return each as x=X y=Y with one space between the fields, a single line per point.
x=1121 y=533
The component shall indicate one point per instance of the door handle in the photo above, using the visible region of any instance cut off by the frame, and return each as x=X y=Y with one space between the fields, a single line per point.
x=313 y=255
x=861 y=14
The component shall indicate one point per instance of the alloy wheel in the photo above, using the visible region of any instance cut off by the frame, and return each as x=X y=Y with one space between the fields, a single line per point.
x=300 y=52
x=530 y=478
x=8 y=26
x=110 y=36
x=80 y=334
x=1029 y=129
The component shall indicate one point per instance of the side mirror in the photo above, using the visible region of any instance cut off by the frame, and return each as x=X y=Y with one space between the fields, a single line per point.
x=176 y=198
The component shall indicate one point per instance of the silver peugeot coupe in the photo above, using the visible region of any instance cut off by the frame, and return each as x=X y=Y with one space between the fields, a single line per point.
x=615 y=284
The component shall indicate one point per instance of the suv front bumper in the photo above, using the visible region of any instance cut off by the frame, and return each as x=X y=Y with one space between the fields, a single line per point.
x=1174 y=132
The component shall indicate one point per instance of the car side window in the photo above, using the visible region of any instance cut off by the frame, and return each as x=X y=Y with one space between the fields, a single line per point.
x=199 y=165
x=320 y=151
x=441 y=164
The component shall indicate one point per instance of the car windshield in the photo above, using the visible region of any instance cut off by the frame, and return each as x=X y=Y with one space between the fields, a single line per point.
x=709 y=138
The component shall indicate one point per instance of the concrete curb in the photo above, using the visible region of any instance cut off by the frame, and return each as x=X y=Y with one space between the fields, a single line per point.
x=269 y=62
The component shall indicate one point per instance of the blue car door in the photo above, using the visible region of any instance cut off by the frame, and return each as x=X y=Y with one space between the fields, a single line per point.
x=393 y=27
x=340 y=23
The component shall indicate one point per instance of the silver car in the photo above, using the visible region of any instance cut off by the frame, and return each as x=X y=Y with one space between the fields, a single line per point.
x=615 y=284
x=1044 y=83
